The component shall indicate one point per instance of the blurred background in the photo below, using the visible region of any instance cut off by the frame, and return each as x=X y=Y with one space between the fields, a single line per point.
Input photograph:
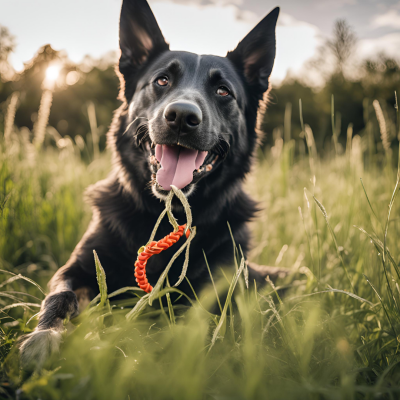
x=345 y=48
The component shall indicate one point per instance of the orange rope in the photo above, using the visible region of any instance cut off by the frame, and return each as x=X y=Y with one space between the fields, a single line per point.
x=151 y=249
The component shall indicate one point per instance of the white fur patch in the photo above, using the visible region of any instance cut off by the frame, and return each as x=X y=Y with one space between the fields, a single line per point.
x=38 y=346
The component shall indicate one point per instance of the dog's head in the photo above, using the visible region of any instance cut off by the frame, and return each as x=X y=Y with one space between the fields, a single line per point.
x=188 y=118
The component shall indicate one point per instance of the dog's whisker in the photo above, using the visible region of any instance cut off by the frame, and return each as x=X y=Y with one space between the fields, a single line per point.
x=131 y=123
x=222 y=147
x=142 y=133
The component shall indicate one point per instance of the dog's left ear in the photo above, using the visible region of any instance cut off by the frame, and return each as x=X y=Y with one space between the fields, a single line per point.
x=255 y=54
x=139 y=36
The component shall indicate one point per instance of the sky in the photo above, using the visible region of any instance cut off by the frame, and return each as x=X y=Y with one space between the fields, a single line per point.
x=202 y=26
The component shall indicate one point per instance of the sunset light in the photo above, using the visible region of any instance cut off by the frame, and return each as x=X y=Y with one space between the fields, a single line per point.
x=52 y=73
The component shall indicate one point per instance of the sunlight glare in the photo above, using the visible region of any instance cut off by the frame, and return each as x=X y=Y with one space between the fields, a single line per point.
x=52 y=73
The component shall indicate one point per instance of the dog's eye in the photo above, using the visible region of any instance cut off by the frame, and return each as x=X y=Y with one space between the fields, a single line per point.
x=223 y=91
x=162 y=81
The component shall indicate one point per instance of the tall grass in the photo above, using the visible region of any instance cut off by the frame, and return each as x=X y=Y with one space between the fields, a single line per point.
x=328 y=331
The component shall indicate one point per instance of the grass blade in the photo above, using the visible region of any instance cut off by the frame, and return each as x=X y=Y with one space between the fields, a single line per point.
x=370 y=205
x=324 y=213
x=213 y=283
x=170 y=308
x=116 y=293
x=139 y=307
x=379 y=246
x=25 y=305
x=331 y=290
x=227 y=301
x=383 y=305
x=19 y=276
x=388 y=217
x=101 y=280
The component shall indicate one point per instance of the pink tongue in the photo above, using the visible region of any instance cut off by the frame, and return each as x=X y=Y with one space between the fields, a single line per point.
x=177 y=165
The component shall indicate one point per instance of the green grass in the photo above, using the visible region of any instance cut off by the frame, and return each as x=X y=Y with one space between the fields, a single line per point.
x=334 y=334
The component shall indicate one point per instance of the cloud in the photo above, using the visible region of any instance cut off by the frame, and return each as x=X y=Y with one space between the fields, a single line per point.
x=388 y=44
x=200 y=26
x=217 y=28
x=389 y=19
x=209 y=29
x=334 y=4
x=297 y=42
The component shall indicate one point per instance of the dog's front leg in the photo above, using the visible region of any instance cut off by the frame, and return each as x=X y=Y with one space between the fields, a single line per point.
x=60 y=304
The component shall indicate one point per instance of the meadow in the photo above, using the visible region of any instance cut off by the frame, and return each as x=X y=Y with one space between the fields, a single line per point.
x=329 y=330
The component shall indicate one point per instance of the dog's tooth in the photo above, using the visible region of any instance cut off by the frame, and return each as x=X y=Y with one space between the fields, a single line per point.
x=153 y=145
x=215 y=160
x=209 y=167
x=153 y=160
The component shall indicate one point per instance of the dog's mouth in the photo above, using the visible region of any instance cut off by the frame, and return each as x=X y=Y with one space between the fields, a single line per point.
x=179 y=166
x=176 y=164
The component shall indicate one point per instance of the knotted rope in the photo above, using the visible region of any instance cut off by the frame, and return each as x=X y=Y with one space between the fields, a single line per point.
x=150 y=250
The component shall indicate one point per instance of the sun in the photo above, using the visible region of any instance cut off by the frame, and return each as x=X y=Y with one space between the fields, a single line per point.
x=52 y=73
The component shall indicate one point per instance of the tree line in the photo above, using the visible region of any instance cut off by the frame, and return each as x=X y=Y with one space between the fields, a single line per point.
x=349 y=89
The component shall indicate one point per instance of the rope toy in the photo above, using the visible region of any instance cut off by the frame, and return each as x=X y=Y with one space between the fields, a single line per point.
x=152 y=248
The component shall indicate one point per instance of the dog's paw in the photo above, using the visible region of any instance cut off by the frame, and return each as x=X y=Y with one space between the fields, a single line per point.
x=38 y=346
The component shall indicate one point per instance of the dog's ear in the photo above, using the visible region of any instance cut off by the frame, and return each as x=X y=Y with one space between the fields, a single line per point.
x=139 y=36
x=255 y=54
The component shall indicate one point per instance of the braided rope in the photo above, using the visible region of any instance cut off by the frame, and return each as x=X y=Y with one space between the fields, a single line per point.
x=151 y=249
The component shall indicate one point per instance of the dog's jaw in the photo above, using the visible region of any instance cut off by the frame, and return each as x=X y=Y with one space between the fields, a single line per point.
x=210 y=163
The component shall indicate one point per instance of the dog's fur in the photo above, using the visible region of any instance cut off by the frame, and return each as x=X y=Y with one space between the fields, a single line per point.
x=127 y=204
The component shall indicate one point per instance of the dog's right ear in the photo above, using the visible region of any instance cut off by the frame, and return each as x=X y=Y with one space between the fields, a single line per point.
x=139 y=37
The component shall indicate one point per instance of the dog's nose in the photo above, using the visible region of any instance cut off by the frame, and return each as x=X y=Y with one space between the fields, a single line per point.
x=182 y=116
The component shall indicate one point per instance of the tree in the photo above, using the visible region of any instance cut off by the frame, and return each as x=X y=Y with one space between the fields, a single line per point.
x=342 y=44
x=334 y=56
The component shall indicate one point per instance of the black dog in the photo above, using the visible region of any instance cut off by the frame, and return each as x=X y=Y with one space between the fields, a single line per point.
x=186 y=120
